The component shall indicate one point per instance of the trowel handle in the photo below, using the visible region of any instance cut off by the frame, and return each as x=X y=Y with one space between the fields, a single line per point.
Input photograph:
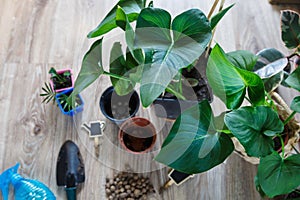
x=71 y=193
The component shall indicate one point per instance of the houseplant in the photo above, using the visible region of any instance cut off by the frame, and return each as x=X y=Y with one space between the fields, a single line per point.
x=61 y=80
x=61 y=99
x=198 y=140
x=65 y=107
x=157 y=49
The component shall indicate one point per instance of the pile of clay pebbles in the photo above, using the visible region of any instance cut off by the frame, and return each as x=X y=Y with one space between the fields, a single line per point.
x=128 y=186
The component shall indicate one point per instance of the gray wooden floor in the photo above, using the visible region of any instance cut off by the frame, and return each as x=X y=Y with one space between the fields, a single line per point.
x=38 y=34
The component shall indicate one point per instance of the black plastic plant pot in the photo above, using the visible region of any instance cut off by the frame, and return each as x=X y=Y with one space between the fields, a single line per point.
x=171 y=108
x=119 y=108
x=168 y=106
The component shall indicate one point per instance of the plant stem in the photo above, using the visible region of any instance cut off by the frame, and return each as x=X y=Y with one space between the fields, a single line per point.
x=209 y=15
x=271 y=104
x=180 y=82
x=224 y=131
x=289 y=117
x=116 y=76
x=212 y=9
x=282 y=146
x=177 y=94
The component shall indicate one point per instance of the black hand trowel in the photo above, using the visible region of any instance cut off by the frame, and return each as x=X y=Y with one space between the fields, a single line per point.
x=69 y=168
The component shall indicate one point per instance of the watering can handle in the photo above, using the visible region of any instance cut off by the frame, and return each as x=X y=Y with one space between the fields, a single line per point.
x=71 y=193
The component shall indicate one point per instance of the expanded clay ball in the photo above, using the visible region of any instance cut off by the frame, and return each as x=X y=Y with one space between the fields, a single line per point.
x=128 y=186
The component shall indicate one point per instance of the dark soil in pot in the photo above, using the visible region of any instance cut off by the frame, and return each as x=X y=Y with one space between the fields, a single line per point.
x=138 y=143
x=60 y=85
x=118 y=108
x=277 y=142
x=294 y=195
x=201 y=90
x=137 y=135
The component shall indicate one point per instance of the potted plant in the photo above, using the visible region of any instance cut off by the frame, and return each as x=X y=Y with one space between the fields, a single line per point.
x=61 y=80
x=158 y=49
x=61 y=99
x=203 y=141
x=65 y=107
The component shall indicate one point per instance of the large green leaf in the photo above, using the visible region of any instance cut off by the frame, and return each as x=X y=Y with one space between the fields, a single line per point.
x=254 y=127
x=270 y=67
x=295 y=105
x=216 y=18
x=230 y=83
x=277 y=175
x=293 y=80
x=242 y=59
x=119 y=66
x=91 y=67
x=131 y=7
x=193 y=144
x=123 y=22
x=290 y=29
x=191 y=33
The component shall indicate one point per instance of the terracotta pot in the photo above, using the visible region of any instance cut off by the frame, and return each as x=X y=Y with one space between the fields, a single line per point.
x=137 y=135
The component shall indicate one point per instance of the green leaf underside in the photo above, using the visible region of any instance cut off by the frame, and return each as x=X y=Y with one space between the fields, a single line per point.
x=290 y=29
x=91 y=68
x=279 y=176
x=242 y=59
x=267 y=56
x=191 y=34
x=131 y=7
x=295 y=105
x=193 y=145
x=270 y=66
x=254 y=127
x=273 y=68
x=216 y=18
x=293 y=79
x=230 y=83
